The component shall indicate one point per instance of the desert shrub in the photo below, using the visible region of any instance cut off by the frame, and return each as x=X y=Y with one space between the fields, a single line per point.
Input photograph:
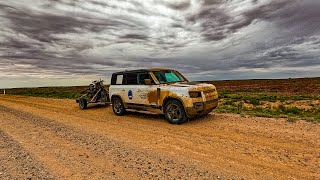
x=282 y=108
x=255 y=102
x=293 y=110
x=292 y=119
x=230 y=102
x=227 y=109
x=240 y=107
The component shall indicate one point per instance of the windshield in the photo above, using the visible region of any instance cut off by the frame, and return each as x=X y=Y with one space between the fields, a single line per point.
x=167 y=76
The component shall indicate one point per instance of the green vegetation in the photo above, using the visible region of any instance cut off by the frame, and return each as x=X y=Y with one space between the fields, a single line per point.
x=49 y=92
x=258 y=104
x=263 y=96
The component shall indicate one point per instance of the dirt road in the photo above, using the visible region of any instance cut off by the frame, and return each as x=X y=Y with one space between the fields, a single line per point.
x=51 y=138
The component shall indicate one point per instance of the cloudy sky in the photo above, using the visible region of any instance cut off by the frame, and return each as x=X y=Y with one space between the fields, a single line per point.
x=71 y=42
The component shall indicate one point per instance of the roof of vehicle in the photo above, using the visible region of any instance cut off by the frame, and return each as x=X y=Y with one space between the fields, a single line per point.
x=143 y=70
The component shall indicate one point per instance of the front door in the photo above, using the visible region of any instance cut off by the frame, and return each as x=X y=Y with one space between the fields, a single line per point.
x=147 y=93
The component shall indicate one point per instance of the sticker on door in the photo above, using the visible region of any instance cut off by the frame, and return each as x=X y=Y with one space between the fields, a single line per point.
x=130 y=94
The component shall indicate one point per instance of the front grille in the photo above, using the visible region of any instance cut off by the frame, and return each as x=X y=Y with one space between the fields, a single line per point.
x=198 y=106
x=212 y=101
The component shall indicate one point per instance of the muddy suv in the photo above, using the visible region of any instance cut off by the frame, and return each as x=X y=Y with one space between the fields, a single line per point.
x=161 y=91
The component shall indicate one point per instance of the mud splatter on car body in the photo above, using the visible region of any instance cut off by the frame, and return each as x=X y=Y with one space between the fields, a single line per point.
x=152 y=89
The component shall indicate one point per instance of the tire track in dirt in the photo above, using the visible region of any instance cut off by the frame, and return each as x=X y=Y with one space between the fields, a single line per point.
x=142 y=163
x=17 y=163
x=230 y=145
x=64 y=158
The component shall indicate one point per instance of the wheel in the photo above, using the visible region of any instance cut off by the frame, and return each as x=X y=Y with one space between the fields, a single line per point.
x=118 y=107
x=174 y=112
x=83 y=104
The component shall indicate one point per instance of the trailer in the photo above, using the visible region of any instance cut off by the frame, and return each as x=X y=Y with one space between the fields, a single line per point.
x=95 y=94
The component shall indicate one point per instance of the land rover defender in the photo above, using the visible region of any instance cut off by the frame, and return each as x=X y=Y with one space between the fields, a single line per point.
x=161 y=91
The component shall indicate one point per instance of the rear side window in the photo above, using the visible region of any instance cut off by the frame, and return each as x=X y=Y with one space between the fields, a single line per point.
x=132 y=79
x=119 y=79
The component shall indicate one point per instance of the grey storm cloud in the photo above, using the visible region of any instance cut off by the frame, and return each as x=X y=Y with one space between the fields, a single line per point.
x=202 y=38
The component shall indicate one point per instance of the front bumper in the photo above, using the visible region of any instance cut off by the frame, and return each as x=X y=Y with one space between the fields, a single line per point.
x=202 y=108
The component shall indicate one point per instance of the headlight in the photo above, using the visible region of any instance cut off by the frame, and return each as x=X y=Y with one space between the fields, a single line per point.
x=195 y=94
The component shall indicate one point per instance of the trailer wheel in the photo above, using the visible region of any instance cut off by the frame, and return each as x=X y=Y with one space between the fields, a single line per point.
x=83 y=104
x=118 y=107
x=174 y=112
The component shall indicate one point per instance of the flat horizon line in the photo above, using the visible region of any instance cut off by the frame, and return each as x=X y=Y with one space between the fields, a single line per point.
x=190 y=81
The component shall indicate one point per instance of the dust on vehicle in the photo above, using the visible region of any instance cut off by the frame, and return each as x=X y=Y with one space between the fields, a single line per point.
x=161 y=91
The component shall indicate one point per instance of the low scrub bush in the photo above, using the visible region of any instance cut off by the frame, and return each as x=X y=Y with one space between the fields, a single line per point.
x=236 y=105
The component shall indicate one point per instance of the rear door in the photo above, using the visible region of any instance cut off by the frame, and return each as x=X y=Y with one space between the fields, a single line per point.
x=131 y=89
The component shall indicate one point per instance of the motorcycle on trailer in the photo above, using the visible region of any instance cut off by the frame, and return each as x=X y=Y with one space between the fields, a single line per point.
x=95 y=94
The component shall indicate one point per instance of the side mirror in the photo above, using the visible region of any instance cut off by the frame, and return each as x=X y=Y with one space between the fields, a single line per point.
x=147 y=82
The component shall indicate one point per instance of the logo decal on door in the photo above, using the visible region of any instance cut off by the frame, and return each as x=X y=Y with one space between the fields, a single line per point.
x=143 y=96
x=130 y=94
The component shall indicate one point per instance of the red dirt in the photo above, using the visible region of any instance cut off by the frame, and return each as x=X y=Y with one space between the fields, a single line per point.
x=303 y=86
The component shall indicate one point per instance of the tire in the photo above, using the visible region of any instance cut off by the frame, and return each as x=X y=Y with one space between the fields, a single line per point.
x=118 y=107
x=83 y=104
x=174 y=112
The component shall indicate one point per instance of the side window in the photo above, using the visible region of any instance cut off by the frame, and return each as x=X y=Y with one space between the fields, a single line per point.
x=132 y=79
x=161 y=78
x=172 y=77
x=119 y=80
x=144 y=76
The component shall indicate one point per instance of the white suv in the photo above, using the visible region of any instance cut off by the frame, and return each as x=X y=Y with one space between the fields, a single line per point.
x=161 y=91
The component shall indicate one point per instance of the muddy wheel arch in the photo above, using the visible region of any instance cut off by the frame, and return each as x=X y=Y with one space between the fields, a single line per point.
x=118 y=96
x=114 y=96
x=172 y=98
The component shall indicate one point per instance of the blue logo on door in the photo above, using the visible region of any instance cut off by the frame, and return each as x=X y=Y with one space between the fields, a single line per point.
x=130 y=94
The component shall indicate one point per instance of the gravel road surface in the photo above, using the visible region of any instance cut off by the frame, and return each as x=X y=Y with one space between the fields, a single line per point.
x=52 y=139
